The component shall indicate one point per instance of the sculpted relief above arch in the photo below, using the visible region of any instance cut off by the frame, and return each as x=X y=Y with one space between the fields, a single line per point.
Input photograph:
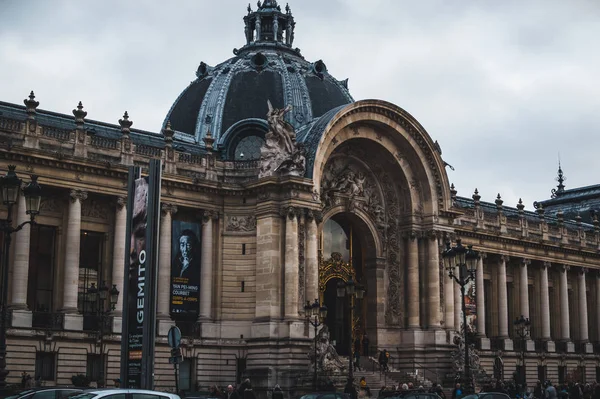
x=365 y=182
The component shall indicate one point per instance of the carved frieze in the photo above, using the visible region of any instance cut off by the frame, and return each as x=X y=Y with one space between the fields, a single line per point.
x=94 y=209
x=240 y=223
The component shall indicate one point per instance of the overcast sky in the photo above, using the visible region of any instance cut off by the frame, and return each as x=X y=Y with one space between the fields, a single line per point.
x=503 y=86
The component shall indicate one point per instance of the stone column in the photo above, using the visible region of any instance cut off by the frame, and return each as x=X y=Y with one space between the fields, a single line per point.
x=433 y=283
x=164 y=262
x=291 y=264
x=565 y=334
x=502 y=298
x=71 y=272
x=545 y=301
x=480 y=297
x=118 y=265
x=584 y=335
x=412 y=289
x=268 y=264
x=457 y=306
x=597 y=306
x=21 y=241
x=312 y=258
x=448 y=301
x=206 y=267
x=524 y=288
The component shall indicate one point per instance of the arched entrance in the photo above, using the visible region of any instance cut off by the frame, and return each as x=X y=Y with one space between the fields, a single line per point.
x=342 y=258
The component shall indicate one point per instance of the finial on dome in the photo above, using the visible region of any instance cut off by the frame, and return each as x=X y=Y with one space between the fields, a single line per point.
x=499 y=202
x=520 y=206
x=560 y=188
x=125 y=124
x=453 y=191
x=31 y=105
x=208 y=141
x=80 y=115
x=476 y=197
x=168 y=134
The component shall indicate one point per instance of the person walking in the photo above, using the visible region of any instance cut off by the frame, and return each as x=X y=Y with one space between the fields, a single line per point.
x=457 y=391
x=277 y=392
x=232 y=393
x=365 y=345
x=551 y=391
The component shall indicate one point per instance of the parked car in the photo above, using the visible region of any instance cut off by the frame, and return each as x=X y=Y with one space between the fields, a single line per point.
x=412 y=394
x=124 y=394
x=47 y=393
x=325 y=395
x=487 y=395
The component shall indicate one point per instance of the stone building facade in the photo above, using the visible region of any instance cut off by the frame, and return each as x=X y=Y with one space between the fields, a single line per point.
x=362 y=188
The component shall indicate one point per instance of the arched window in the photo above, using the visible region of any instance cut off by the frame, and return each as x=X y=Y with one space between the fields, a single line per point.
x=335 y=239
x=248 y=148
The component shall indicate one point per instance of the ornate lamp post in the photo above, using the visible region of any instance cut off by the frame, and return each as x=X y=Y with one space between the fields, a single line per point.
x=315 y=314
x=461 y=264
x=522 y=329
x=353 y=291
x=96 y=298
x=10 y=186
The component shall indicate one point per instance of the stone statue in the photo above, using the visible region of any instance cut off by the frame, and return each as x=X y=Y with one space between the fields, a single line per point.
x=328 y=361
x=280 y=154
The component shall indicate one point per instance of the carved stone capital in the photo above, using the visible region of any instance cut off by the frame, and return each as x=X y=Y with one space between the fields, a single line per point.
x=121 y=202
x=289 y=212
x=312 y=214
x=582 y=270
x=504 y=258
x=564 y=268
x=433 y=234
x=525 y=262
x=209 y=216
x=168 y=208
x=546 y=265
x=78 y=195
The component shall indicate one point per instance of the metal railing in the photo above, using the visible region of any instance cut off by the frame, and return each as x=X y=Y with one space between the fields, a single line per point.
x=48 y=321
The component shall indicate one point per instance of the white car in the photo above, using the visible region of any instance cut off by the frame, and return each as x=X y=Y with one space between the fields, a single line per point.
x=124 y=394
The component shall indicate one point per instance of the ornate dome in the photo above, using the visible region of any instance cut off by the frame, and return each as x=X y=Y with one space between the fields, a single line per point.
x=230 y=99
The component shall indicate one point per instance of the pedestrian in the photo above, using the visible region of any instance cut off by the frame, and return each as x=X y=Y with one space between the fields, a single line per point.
x=440 y=391
x=350 y=390
x=117 y=382
x=232 y=393
x=365 y=391
x=277 y=392
x=457 y=391
x=538 y=391
x=357 y=344
x=551 y=391
x=356 y=360
x=247 y=392
x=365 y=345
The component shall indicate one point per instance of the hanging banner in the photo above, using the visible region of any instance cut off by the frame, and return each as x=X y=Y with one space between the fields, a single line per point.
x=140 y=283
x=185 y=270
x=471 y=306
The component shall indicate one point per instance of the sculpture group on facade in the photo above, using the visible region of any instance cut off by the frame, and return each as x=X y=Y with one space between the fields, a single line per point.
x=280 y=154
x=328 y=361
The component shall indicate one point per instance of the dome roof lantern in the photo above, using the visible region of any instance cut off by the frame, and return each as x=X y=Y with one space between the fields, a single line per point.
x=269 y=26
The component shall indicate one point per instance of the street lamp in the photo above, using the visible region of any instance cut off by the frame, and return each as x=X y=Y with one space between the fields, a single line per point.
x=315 y=314
x=461 y=264
x=96 y=298
x=522 y=329
x=353 y=291
x=10 y=186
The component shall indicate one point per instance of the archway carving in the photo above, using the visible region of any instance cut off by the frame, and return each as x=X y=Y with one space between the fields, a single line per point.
x=332 y=268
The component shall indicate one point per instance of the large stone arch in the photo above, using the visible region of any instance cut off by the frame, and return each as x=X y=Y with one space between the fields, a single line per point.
x=403 y=137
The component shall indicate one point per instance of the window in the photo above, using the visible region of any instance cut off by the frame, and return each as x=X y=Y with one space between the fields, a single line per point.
x=562 y=374
x=186 y=375
x=41 y=268
x=45 y=365
x=240 y=369
x=542 y=373
x=243 y=249
x=248 y=148
x=335 y=239
x=90 y=266
x=94 y=366
x=122 y=396
x=146 y=396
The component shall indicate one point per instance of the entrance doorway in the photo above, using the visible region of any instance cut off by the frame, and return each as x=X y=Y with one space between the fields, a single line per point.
x=342 y=260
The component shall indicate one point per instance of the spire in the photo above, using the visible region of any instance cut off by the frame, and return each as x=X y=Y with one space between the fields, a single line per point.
x=560 y=188
x=269 y=25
